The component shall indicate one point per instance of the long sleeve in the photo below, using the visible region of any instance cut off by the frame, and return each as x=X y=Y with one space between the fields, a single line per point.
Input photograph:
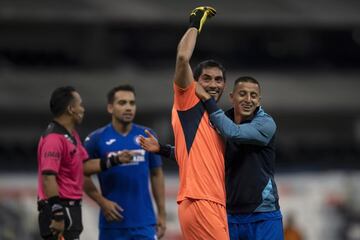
x=258 y=131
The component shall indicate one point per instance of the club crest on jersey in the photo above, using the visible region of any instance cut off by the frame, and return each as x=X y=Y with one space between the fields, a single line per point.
x=137 y=139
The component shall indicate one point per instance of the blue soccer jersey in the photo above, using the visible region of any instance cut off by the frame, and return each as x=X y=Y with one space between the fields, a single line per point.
x=125 y=184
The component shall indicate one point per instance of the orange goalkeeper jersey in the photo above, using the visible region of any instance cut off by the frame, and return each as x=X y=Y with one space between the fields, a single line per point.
x=199 y=149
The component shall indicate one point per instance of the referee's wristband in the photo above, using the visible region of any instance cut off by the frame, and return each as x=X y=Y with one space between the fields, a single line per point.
x=108 y=162
x=57 y=208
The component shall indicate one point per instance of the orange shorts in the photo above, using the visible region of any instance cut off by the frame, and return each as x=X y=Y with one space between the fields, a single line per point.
x=202 y=220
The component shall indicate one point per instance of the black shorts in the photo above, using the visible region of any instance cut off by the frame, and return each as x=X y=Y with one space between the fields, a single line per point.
x=73 y=220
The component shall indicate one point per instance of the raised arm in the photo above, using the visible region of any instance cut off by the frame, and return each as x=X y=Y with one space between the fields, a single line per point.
x=183 y=73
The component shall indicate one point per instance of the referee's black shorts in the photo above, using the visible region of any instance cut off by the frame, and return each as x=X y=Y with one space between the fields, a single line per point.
x=73 y=220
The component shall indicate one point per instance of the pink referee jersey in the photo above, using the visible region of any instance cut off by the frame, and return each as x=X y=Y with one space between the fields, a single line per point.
x=62 y=154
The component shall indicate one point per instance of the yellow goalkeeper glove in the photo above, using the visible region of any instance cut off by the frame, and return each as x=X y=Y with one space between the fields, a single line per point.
x=199 y=15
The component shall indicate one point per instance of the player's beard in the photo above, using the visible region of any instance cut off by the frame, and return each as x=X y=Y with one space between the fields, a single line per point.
x=125 y=120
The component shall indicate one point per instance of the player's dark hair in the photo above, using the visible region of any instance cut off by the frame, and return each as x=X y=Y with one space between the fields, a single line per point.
x=60 y=99
x=246 y=79
x=207 y=64
x=113 y=91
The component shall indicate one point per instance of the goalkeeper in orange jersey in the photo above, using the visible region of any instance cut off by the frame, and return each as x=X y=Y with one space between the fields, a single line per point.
x=199 y=148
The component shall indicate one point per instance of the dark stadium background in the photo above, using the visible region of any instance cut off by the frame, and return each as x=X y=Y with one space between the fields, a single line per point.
x=306 y=55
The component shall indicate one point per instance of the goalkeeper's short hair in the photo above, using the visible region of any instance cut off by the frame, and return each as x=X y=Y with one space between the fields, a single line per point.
x=208 y=64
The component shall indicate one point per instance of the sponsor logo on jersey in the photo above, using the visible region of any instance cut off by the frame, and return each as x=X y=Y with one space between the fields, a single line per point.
x=110 y=141
x=139 y=155
x=52 y=155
